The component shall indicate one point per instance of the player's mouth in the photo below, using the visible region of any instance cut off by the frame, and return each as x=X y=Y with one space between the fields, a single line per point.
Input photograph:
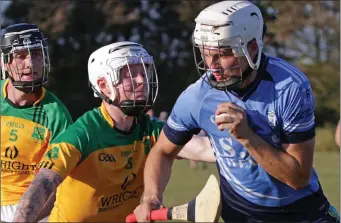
x=28 y=76
x=139 y=95
x=220 y=77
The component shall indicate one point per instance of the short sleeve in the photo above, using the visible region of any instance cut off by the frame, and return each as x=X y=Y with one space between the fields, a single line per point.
x=298 y=114
x=67 y=150
x=183 y=120
x=60 y=157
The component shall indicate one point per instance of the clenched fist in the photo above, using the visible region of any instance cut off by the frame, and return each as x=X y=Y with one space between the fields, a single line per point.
x=233 y=118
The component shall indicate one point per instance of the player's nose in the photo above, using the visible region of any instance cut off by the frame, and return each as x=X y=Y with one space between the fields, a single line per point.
x=214 y=65
x=139 y=79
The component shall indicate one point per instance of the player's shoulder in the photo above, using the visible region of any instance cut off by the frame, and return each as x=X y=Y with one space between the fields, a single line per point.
x=52 y=103
x=82 y=131
x=90 y=120
x=285 y=75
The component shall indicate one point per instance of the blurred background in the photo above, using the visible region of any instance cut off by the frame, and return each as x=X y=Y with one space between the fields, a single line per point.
x=306 y=33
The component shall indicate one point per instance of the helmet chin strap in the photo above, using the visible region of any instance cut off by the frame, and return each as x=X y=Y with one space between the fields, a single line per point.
x=27 y=86
x=134 y=108
x=247 y=73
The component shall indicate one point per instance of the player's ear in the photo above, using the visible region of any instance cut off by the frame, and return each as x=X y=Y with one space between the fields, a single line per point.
x=252 y=47
x=103 y=86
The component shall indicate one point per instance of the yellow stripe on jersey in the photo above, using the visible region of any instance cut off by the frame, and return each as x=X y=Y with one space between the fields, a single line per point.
x=4 y=90
x=106 y=115
x=43 y=93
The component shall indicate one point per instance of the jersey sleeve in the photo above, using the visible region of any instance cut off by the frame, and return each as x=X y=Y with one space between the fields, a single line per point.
x=65 y=152
x=60 y=157
x=183 y=120
x=298 y=120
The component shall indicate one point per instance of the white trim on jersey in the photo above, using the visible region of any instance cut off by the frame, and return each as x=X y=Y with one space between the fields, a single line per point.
x=289 y=127
x=175 y=125
x=283 y=83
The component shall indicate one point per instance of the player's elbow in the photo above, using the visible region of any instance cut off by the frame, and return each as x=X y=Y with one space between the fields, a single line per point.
x=209 y=156
x=298 y=185
x=300 y=181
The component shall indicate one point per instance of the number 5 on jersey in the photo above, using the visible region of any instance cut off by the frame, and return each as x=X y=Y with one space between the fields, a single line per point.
x=13 y=135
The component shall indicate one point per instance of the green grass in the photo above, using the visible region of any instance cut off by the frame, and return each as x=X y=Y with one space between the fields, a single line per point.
x=186 y=183
x=327 y=166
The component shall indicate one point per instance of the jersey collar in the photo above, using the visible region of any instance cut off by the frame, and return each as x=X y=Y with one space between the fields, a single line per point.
x=106 y=115
x=4 y=93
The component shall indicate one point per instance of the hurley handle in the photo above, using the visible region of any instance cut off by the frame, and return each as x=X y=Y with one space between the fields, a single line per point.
x=155 y=215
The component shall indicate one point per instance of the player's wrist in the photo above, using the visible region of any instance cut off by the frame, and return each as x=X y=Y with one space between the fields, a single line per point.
x=251 y=142
x=152 y=199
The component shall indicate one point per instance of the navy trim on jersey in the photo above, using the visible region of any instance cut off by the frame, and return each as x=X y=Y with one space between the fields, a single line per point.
x=179 y=138
x=245 y=93
x=297 y=137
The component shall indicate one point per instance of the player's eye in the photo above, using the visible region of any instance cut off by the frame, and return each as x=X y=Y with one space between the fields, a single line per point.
x=127 y=74
x=226 y=52
x=19 y=56
x=36 y=54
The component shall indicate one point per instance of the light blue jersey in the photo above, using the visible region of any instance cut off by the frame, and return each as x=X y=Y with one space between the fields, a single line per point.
x=279 y=108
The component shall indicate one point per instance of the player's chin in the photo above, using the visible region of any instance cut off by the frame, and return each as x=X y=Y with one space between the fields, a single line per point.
x=225 y=79
x=226 y=76
x=139 y=96
x=27 y=78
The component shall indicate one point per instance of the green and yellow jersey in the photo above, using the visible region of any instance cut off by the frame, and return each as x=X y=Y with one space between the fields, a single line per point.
x=25 y=134
x=102 y=167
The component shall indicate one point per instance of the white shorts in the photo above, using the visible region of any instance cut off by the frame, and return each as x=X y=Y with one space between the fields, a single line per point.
x=8 y=211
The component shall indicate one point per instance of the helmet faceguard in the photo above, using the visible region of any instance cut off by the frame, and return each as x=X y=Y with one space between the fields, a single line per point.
x=108 y=62
x=227 y=26
x=24 y=40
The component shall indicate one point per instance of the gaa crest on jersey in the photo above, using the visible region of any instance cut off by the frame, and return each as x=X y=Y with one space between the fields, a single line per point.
x=272 y=119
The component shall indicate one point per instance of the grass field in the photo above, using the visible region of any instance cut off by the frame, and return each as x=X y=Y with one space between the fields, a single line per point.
x=185 y=183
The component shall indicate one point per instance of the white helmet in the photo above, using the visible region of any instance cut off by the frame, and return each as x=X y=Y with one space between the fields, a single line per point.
x=229 y=24
x=107 y=61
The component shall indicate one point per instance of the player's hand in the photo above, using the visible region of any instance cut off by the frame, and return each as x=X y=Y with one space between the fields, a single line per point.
x=142 y=212
x=233 y=118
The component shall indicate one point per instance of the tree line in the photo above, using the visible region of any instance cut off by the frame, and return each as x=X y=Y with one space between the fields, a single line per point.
x=305 y=33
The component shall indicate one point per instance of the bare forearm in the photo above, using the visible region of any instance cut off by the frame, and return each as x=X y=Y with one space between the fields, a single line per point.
x=46 y=210
x=276 y=162
x=32 y=202
x=198 y=149
x=156 y=174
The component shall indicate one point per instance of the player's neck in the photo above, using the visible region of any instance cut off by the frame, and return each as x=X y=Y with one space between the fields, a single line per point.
x=249 y=80
x=20 y=98
x=121 y=121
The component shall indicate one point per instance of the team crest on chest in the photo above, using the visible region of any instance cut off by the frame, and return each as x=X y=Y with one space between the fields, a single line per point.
x=272 y=119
